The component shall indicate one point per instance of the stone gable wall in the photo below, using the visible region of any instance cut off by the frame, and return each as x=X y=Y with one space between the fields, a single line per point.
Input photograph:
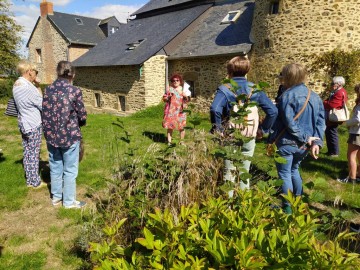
x=301 y=28
x=53 y=49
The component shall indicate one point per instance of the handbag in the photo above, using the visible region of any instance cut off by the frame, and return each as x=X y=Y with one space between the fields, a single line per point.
x=340 y=115
x=11 y=109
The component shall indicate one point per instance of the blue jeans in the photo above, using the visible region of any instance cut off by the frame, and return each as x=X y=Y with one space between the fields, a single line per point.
x=289 y=172
x=247 y=150
x=332 y=140
x=64 y=167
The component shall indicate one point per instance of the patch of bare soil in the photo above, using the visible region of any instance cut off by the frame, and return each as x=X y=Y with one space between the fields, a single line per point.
x=38 y=223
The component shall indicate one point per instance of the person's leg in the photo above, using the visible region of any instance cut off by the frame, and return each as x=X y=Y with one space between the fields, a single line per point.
x=332 y=140
x=169 y=135
x=352 y=154
x=31 y=144
x=297 y=181
x=56 y=172
x=71 y=168
x=182 y=134
x=247 y=150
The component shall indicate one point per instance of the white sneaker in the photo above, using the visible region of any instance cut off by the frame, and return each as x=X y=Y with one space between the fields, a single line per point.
x=76 y=204
x=56 y=202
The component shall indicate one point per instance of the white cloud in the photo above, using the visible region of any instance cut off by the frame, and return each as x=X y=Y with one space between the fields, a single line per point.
x=121 y=12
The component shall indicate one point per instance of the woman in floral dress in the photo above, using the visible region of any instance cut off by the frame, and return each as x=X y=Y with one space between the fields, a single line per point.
x=174 y=117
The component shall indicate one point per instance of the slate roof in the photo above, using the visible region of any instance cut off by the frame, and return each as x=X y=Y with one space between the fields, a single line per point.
x=88 y=33
x=158 y=4
x=212 y=38
x=156 y=31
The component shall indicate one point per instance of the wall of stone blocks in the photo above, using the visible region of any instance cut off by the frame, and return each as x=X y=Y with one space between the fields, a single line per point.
x=154 y=71
x=75 y=51
x=207 y=74
x=300 y=29
x=53 y=49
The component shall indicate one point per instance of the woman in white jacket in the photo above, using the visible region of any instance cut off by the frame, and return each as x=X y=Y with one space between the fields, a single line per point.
x=353 y=152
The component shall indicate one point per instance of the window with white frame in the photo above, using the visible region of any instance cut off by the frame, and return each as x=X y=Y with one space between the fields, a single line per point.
x=231 y=17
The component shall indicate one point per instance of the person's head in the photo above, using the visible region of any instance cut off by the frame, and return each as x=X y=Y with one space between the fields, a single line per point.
x=176 y=80
x=27 y=70
x=293 y=74
x=338 y=82
x=65 y=70
x=238 y=66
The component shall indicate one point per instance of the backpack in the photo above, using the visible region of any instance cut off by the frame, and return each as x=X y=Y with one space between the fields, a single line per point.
x=249 y=129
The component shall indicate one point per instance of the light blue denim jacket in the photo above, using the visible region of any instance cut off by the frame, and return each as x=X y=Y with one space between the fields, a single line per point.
x=220 y=108
x=311 y=122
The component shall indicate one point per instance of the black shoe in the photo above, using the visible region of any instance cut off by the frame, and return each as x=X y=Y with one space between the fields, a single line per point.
x=347 y=180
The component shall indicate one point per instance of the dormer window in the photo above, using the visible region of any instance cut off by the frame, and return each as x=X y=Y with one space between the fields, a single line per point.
x=79 y=21
x=231 y=17
x=274 y=7
x=134 y=45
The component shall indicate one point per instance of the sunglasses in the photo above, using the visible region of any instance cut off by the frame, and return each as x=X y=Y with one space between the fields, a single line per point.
x=175 y=80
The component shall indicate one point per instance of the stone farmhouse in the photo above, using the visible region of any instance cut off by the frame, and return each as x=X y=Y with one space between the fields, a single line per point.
x=128 y=71
x=60 y=36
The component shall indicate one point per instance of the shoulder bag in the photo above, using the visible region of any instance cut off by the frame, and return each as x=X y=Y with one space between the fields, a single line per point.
x=340 y=115
x=11 y=109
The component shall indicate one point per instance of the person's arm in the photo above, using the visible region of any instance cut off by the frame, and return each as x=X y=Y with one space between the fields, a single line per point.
x=336 y=101
x=216 y=111
x=80 y=107
x=268 y=107
x=320 y=125
x=355 y=119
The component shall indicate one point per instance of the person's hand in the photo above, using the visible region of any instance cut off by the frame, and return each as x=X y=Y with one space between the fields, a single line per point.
x=259 y=134
x=311 y=140
x=314 y=151
x=270 y=150
x=37 y=82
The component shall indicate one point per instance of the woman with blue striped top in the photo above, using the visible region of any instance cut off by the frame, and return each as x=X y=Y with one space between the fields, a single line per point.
x=28 y=99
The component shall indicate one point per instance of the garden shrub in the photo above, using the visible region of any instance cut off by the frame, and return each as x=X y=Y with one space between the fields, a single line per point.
x=240 y=233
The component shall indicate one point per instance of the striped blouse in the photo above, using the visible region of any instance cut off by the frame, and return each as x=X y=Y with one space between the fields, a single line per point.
x=29 y=104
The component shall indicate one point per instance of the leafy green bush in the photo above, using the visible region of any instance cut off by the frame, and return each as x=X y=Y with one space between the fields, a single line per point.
x=338 y=63
x=240 y=233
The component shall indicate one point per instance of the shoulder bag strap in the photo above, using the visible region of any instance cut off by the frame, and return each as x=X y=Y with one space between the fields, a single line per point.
x=296 y=116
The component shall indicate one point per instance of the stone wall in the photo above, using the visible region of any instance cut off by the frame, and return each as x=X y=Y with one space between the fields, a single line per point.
x=53 y=49
x=75 y=51
x=140 y=86
x=154 y=71
x=301 y=28
x=206 y=73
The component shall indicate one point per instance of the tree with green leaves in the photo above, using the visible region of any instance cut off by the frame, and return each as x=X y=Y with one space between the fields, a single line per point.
x=9 y=39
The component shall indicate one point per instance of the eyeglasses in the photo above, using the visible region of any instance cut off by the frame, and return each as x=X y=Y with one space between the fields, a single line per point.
x=175 y=80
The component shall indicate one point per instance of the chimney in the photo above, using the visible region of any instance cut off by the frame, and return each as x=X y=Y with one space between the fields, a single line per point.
x=46 y=8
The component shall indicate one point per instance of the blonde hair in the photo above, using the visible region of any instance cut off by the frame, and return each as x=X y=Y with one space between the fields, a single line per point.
x=293 y=74
x=23 y=66
x=238 y=66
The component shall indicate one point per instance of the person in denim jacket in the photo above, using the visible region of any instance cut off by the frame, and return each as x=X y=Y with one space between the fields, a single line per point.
x=237 y=68
x=295 y=138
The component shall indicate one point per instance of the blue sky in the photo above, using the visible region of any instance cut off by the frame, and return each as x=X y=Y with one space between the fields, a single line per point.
x=26 y=12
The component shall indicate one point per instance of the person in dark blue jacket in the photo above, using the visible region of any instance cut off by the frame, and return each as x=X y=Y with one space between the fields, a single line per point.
x=237 y=68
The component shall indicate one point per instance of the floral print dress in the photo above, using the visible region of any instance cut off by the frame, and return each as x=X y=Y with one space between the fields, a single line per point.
x=174 y=117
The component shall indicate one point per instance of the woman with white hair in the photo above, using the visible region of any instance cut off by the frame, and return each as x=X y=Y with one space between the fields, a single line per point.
x=337 y=98
x=28 y=101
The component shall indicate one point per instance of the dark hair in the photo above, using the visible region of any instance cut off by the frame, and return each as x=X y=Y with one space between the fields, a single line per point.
x=177 y=76
x=65 y=69
x=357 y=92
x=238 y=66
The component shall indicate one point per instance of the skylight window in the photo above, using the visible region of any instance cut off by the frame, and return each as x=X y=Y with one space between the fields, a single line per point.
x=134 y=45
x=231 y=17
x=79 y=21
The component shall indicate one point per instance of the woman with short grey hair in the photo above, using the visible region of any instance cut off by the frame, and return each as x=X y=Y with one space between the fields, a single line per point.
x=337 y=98
x=28 y=99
